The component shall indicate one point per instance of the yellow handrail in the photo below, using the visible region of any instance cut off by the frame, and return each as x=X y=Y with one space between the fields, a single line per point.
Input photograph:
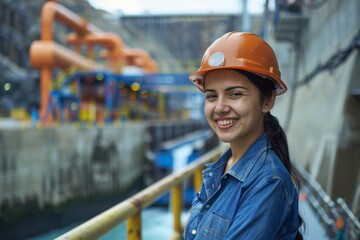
x=131 y=208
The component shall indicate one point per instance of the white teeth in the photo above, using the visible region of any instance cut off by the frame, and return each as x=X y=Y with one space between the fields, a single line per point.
x=225 y=122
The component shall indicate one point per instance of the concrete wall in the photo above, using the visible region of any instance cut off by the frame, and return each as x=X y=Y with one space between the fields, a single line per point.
x=52 y=166
x=324 y=129
x=54 y=177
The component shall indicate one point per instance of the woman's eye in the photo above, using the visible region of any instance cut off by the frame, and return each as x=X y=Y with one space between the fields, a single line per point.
x=235 y=94
x=210 y=96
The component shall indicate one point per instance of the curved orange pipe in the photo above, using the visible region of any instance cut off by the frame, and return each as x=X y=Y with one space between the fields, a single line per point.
x=111 y=41
x=50 y=55
x=140 y=58
x=47 y=55
x=151 y=66
x=52 y=11
x=115 y=51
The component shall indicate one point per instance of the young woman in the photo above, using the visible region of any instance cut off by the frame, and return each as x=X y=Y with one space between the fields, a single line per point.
x=251 y=192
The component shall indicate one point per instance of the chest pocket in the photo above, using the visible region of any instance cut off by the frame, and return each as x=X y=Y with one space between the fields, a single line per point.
x=214 y=227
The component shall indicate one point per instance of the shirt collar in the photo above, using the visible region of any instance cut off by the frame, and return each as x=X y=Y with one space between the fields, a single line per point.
x=243 y=167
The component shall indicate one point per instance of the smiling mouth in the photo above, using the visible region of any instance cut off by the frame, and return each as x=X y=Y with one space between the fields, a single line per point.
x=226 y=123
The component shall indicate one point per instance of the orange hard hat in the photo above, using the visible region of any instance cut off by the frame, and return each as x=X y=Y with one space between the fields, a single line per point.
x=244 y=51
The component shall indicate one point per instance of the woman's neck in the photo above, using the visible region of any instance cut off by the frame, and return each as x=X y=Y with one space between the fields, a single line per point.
x=239 y=148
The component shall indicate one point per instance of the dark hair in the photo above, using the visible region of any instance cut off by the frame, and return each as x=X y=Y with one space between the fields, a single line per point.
x=277 y=136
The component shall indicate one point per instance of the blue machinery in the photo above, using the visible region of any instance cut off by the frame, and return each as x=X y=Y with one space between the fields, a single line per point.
x=102 y=96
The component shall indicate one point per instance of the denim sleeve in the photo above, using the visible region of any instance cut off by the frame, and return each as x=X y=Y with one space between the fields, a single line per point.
x=263 y=212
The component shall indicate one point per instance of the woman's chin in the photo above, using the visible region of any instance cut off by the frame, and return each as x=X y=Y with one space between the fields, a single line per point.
x=225 y=139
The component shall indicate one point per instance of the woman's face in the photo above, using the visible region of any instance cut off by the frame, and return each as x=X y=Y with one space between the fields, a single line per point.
x=233 y=107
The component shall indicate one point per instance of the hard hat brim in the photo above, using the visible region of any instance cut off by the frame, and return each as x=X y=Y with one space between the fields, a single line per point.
x=198 y=77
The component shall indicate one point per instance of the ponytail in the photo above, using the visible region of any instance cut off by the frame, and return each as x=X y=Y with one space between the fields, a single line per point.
x=276 y=134
x=279 y=143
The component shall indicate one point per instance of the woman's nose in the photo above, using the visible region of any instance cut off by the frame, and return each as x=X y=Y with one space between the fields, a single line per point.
x=221 y=107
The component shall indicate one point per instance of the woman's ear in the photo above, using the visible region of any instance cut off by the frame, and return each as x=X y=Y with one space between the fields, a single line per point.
x=269 y=103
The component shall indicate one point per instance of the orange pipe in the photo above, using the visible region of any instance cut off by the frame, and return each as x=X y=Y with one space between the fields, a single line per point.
x=47 y=55
x=151 y=66
x=51 y=54
x=115 y=52
x=140 y=58
x=111 y=41
x=137 y=57
x=45 y=85
x=52 y=11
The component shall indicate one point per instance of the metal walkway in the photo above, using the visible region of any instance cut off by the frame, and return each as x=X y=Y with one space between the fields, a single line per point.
x=313 y=228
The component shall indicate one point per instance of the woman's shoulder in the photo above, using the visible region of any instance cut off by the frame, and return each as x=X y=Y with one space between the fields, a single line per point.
x=274 y=171
x=272 y=164
x=269 y=169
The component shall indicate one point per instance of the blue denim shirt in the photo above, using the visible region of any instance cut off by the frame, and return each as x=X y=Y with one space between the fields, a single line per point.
x=255 y=199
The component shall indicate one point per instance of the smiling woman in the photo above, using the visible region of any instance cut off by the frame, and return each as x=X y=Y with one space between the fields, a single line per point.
x=251 y=192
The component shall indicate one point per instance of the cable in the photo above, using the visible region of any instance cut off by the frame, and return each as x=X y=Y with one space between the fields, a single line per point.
x=316 y=5
x=335 y=60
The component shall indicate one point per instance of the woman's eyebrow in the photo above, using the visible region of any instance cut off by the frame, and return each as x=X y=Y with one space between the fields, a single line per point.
x=227 y=89
x=210 y=90
x=234 y=87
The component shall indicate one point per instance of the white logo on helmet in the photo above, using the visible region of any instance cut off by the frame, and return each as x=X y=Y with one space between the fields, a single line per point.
x=217 y=59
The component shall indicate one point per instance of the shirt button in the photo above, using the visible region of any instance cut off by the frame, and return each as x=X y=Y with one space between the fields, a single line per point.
x=207 y=206
x=225 y=177
x=193 y=232
x=213 y=185
x=210 y=174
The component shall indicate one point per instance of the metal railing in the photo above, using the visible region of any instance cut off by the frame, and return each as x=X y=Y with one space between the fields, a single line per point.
x=131 y=208
x=339 y=221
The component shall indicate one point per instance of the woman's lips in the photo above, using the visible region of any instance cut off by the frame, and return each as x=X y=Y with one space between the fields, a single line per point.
x=226 y=123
